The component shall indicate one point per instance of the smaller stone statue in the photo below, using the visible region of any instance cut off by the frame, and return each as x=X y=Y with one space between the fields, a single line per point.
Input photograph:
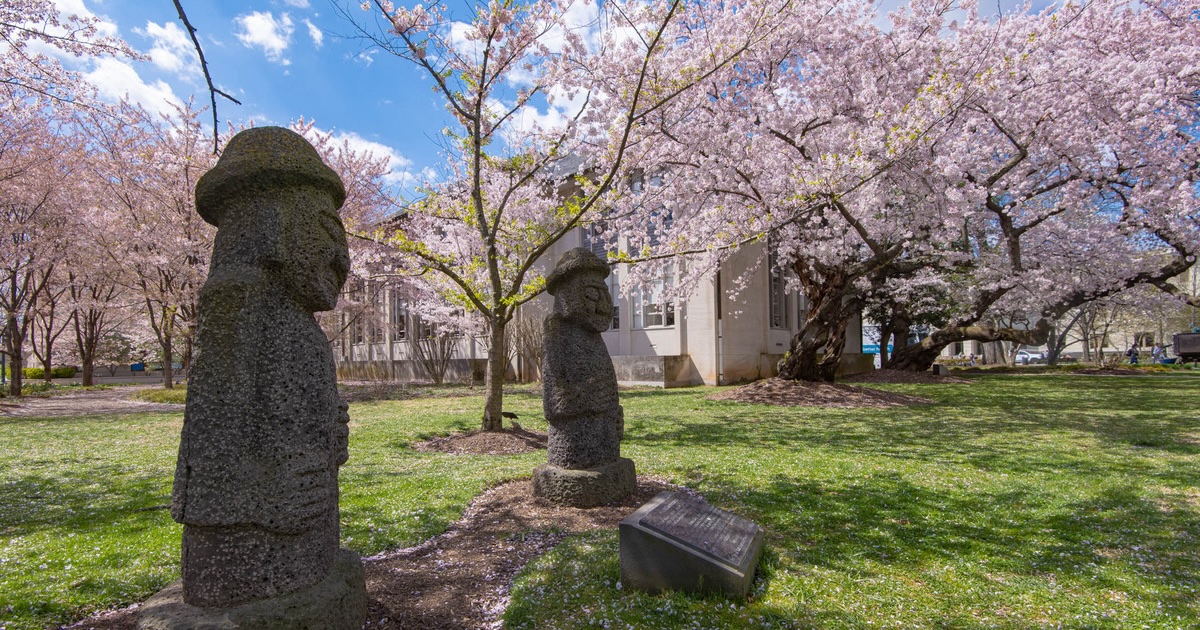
x=264 y=430
x=579 y=387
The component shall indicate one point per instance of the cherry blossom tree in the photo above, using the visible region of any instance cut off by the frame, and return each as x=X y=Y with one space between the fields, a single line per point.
x=794 y=152
x=1076 y=179
x=36 y=36
x=145 y=167
x=35 y=181
x=937 y=167
x=51 y=318
x=547 y=100
x=100 y=305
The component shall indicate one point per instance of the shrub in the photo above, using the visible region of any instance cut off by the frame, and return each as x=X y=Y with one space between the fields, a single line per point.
x=62 y=371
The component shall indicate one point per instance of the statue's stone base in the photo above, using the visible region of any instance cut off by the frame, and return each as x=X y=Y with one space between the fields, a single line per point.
x=339 y=602
x=585 y=488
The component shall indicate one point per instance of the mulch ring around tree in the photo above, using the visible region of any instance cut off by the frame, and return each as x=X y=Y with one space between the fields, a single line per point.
x=504 y=442
x=461 y=579
x=786 y=393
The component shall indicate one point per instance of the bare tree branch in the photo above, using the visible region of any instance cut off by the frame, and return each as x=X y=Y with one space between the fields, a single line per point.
x=212 y=89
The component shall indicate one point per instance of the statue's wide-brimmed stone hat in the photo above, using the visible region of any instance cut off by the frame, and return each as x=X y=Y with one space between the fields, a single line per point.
x=575 y=261
x=263 y=158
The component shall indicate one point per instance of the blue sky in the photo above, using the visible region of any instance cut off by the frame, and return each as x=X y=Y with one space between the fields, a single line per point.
x=284 y=59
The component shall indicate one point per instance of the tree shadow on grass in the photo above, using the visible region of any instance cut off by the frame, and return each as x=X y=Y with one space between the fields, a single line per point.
x=1112 y=541
x=33 y=502
x=583 y=573
x=1003 y=429
x=883 y=542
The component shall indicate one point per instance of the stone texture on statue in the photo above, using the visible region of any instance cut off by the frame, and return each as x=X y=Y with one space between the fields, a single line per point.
x=264 y=429
x=317 y=607
x=579 y=385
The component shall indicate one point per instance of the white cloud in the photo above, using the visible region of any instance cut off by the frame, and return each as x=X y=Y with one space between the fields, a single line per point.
x=261 y=29
x=315 y=33
x=529 y=119
x=400 y=171
x=172 y=50
x=115 y=79
x=461 y=43
x=581 y=17
x=299 y=4
x=67 y=8
x=104 y=27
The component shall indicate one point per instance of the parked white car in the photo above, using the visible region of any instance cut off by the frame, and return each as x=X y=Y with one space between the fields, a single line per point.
x=1025 y=357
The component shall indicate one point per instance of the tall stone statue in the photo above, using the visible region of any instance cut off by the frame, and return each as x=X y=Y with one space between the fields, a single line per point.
x=264 y=430
x=579 y=385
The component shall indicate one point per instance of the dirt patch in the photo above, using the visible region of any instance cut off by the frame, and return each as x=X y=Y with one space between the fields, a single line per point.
x=785 y=393
x=89 y=402
x=503 y=442
x=461 y=579
x=904 y=376
x=1110 y=372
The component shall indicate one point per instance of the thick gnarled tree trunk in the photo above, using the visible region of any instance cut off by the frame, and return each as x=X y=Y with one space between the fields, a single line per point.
x=816 y=350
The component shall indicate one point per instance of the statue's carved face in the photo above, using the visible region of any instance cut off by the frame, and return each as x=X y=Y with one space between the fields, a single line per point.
x=316 y=258
x=586 y=301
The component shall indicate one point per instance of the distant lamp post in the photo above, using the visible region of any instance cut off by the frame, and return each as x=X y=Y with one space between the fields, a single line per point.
x=1194 y=274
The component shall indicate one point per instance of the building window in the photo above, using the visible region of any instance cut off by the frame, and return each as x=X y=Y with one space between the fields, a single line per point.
x=355 y=293
x=651 y=307
x=399 y=317
x=457 y=315
x=614 y=289
x=378 y=295
x=660 y=223
x=777 y=293
x=593 y=239
x=424 y=329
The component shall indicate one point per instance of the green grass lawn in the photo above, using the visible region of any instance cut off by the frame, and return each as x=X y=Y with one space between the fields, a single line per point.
x=1014 y=502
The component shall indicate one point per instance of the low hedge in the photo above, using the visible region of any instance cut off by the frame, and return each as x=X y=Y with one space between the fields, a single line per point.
x=62 y=371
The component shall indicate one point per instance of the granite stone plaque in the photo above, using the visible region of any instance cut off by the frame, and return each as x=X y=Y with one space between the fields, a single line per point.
x=676 y=542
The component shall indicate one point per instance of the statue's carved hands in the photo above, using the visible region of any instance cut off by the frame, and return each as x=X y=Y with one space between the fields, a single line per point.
x=341 y=435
